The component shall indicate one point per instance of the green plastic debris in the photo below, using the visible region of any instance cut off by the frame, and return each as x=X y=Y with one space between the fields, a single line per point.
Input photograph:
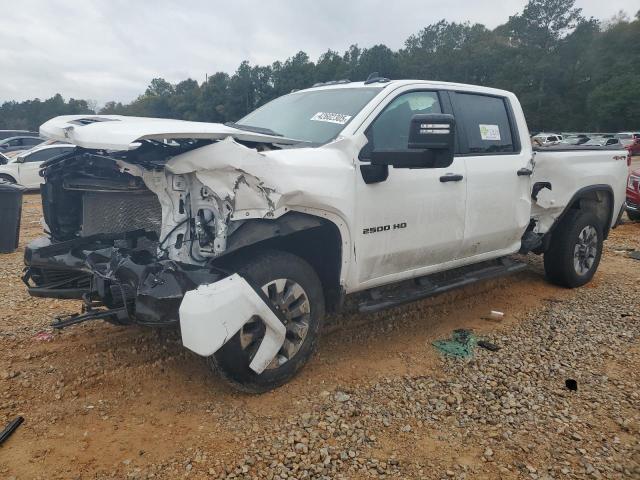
x=460 y=344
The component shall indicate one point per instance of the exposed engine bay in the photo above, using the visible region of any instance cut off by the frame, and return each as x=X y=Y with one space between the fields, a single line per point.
x=132 y=233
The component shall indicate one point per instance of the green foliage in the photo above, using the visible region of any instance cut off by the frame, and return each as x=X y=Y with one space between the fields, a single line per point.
x=30 y=114
x=570 y=73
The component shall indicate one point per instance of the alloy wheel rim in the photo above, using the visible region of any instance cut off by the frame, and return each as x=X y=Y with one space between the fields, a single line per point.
x=585 y=250
x=291 y=301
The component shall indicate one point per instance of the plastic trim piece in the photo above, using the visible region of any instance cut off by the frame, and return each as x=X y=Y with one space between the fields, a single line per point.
x=212 y=314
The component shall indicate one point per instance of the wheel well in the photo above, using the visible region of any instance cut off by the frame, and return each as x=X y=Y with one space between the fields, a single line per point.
x=600 y=203
x=319 y=243
x=10 y=177
x=598 y=199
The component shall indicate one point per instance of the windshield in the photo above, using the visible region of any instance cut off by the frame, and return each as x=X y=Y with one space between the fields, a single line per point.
x=313 y=116
x=595 y=141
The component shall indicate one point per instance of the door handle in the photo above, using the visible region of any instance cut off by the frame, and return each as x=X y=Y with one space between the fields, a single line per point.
x=451 y=177
x=525 y=172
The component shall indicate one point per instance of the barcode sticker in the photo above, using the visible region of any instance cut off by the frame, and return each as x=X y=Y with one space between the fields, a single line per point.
x=339 y=118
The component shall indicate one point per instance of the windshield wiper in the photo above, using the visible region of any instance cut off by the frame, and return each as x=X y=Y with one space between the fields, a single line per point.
x=249 y=128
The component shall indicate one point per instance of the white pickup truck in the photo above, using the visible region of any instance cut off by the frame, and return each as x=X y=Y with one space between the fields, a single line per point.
x=245 y=234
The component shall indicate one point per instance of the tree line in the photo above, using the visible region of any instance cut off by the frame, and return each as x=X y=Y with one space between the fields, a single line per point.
x=570 y=72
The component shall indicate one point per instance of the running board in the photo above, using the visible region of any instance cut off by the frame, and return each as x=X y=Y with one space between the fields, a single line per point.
x=425 y=287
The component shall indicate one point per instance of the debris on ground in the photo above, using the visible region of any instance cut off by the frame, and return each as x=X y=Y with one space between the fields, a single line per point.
x=571 y=384
x=10 y=428
x=495 y=315
x=44 y=337
x=635 y=255
x=460 y=344
x=492 y=347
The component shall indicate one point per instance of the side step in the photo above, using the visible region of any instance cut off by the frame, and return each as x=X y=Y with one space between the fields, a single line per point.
x=427 y=287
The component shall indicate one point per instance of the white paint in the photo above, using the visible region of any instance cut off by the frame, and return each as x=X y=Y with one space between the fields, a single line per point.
x=118 y=132
x=568 y=172
x=212 y=314
x=24 y=170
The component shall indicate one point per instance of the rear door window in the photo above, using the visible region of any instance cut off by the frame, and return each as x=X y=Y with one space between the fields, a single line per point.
x=485 y=122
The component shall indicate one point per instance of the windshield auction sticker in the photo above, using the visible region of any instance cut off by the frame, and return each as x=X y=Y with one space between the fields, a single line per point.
x=339 y=118
x=489 y=132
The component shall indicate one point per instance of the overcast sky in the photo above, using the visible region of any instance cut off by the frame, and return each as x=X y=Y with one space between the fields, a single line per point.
x=110 y=49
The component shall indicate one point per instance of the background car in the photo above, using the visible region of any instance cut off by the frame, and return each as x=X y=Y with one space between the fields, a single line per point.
x=633 y=196
x=25 y=167
x=16 y=133
x=19 y=143
x=602 y=142
x=548 y=138
x=574 y=140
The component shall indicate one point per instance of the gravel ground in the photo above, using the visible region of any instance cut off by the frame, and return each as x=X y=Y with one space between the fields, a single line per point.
x=377 y=402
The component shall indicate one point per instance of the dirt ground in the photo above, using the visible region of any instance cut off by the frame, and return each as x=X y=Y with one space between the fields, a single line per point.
x=101 y=401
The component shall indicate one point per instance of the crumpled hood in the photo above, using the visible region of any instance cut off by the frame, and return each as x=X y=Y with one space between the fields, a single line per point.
x=119 y=132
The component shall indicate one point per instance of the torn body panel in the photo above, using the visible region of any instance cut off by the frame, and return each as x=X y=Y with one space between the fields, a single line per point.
x=582 y=170
x=232 y=302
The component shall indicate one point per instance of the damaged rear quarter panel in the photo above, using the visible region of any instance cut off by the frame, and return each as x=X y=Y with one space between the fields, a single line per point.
x=569 y=172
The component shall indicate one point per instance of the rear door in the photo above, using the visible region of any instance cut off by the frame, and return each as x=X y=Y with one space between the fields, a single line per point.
x=498 y=174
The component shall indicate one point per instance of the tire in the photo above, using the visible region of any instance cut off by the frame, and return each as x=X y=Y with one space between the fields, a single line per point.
x=299 y=279
x=633 y=216
x=575 y=250
x=7 y=178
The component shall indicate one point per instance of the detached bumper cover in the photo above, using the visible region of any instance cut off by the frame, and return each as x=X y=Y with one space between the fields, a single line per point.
x=212 y=314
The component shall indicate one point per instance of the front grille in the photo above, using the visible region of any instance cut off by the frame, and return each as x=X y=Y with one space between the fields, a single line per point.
x=118 y=212
x=633 y=206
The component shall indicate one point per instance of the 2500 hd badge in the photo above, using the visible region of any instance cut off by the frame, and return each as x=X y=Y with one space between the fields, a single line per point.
x=384 y=228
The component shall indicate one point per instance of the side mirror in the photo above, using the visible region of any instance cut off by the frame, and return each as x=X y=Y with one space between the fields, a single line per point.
x=20 y=159
x=431 y=144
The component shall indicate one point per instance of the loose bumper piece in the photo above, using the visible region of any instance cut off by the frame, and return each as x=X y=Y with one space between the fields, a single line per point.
x=212 y=314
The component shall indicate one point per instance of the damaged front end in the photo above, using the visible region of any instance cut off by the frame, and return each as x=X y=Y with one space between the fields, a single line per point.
x=104 y=242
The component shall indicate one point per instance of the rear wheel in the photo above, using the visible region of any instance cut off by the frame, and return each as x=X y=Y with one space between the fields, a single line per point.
x=294 y=289
x=575 y=250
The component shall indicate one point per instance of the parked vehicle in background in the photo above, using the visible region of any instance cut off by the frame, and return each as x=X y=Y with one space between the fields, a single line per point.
x=632 y=145
x=633 y=196
x=603 y=142
x=574 y=140
x=630 y=135
x=16 y=133
x=244 y=234
x=24 y=168
x=545 y=139
x=12 y=144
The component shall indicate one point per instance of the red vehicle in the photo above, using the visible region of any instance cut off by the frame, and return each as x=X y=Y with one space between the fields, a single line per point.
x=630 y=141
x=634 y=147
x=633 y=196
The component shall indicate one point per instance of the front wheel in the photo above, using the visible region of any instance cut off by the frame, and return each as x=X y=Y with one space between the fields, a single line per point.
x=293 y=288
x=575 y=250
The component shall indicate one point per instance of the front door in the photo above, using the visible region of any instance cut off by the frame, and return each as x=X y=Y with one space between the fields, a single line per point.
x=415 y=218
